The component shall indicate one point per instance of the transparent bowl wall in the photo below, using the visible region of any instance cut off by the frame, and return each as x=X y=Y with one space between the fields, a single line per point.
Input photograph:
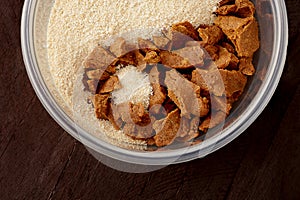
x=269 y=62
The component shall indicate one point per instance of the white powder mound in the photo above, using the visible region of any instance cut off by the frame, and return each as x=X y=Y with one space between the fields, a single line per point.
x=136 y=87
x=77 y=26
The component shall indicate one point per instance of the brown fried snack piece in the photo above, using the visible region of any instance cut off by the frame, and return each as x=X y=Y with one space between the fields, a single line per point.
x=132 y=58
x=213 y=120
x=246 y=66
x=101 y=104
x=247 y=42
x=159 y=94
x=146 y=44
x=245 y=8
x=99 y=58
x=188 y=129
x=138 y=132
x=111 y=84
x=211 y=52
x=194 y=55
x=210 y=81
x=234 y=82
x=220 y=104
x=92 y=85
x=152 y=57
x=98 y=74
x=243 y=33
x=166 y=129
x=226 y=10
x=229 y=47
x=185 y=28
x=154 y=75
x=118 y=47
x=173 y=60
x=184 y=58
x=138 y=114
x=98 y=64
x=161 y=42
x=220 y=82
x=182 y=93
x=226 y=59
x=211 y=34
x=121 y=111
x=203 y=104
x=180 y=33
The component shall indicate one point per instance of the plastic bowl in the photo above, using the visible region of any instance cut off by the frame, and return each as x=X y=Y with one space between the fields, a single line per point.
x=269 y=61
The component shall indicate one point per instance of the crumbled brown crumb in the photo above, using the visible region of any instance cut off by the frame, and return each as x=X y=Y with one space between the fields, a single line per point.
x=226 y=9
x=193 y=55
x=229 y=47
x=186 y=28
x=209 y=81
x=180 y=33
x=245 y=8
x=146 y=44
x=99 y=58
x=166 y=129
x=111 y=84
x=118 y=47
x=152 y=57
x=159 y=95
x=226 y=59
x=184 y=58
x=138 y=114
x=161 y=42
x=213 y=120
x=173 y=60
x=181 y=91
x=220 y=104
x=132 y=58
x=246 y=66
x=203 y=104
x=211 y=52
x=92 y=85
x=243 y=33
x=188 y=128
x=234 y=82
x=97 y=74
x=211 y=34
x=101 y=104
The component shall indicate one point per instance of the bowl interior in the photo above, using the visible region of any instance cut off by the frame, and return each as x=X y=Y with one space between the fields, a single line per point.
x=243 y=114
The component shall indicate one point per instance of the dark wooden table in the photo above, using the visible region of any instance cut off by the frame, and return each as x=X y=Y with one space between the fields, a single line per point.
x=39 y=160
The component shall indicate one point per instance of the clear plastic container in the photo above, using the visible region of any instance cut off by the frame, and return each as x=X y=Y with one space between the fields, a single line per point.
x=269 y=62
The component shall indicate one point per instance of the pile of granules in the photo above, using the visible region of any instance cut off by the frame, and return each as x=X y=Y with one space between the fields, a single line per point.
x=136 y=87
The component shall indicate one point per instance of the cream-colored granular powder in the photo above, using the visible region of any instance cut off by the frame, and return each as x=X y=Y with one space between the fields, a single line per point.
x=77 y=26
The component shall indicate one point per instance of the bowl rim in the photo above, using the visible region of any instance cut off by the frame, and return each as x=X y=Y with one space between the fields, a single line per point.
x=157 y=158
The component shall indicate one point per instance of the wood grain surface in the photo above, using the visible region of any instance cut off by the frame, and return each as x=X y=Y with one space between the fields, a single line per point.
x=39 y=160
